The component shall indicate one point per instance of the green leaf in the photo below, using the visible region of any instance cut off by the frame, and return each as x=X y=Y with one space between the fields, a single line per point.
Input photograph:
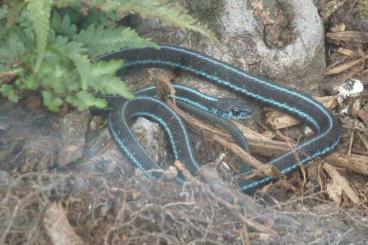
x=40 y=16
x=14 y=12
x=115 y=86
x=166 y=11
x=69 y=3
x=103 y=40
x=15 y=45
x=106 y=68
x=63 y=25
x=29 y=84
x=83 y=65
x=51 y=102
x=83 y=100
x=9 y=92
x=3 y=12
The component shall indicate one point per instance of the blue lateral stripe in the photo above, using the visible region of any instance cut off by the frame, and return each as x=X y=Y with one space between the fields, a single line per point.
x=321 y=108
x=130 y=156
x=217 y=112
x=259 y=97
x=124 y=148
x=195 y=104
x=193 y=91
x=200 y=94
x=289 y=169
x=275 y=103
x=212 y=110
x=229 y=84
x=164 y=125
x=186 y=137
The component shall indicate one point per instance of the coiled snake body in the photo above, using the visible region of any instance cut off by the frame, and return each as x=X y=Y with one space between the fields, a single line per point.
x=302 y=106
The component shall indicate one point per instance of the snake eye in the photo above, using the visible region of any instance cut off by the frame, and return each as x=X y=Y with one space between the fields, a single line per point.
x=236 y=112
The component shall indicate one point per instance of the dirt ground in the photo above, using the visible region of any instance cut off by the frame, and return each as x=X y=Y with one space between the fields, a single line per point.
x=99 y=199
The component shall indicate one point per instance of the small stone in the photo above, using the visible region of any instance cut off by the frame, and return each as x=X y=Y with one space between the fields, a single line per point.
x=4 y=178
x=73 y=131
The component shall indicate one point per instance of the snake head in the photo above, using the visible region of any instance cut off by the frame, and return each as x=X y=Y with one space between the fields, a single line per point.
x=231 y=108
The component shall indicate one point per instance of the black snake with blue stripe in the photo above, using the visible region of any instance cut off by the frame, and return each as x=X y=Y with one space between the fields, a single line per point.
x=304 y=107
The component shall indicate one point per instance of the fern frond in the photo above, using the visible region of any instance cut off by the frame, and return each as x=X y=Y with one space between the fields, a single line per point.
x=14 y=12
x=84 y=100
x=157 y=9
x=64 y=48
x=102 y=40
x=83 y=65
x=40 y=15
x=52 y=102
x=62 y=25
x=15 y=43
x=69 y=3
x=99 y=18
x=3 y=12
x=105 y=80
x=8 y=91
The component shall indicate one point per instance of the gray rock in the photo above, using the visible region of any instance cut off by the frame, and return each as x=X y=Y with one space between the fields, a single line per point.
x=299 y=63
x=104 y=157
x=74 y=127
x=302 y=60
x=152 y=137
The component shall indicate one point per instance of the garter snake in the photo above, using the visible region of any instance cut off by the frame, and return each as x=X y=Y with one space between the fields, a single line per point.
x=302 y=106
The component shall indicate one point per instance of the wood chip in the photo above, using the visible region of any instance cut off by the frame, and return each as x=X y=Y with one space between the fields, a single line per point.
x=268 y=147
x=346 y=52
x=344 y=67
x=363 y=115
x=330 y=8
x=355 y=163
x=338 y=28
x=341 y=182
x=58 y=227
x=364 y=140
x=280 y=120
x=348 y=36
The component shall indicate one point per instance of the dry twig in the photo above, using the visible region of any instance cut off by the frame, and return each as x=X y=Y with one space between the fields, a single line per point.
x=342 y=182
x=233 y=209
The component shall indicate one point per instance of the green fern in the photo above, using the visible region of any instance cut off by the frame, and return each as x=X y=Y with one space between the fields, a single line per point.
x=9 y=92
x=62 y=25
x=3 y=12
x=14 y=11
x=50 y=46
x=156 y=9
x=40 y=15
x=52 y=102
x=101 y=40
x=84 y=100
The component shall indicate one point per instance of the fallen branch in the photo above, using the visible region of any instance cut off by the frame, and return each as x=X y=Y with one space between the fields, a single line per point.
x=268 y=170
x=344 y=67
x=57 y=226
x=232 y=208
x=268 y=147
